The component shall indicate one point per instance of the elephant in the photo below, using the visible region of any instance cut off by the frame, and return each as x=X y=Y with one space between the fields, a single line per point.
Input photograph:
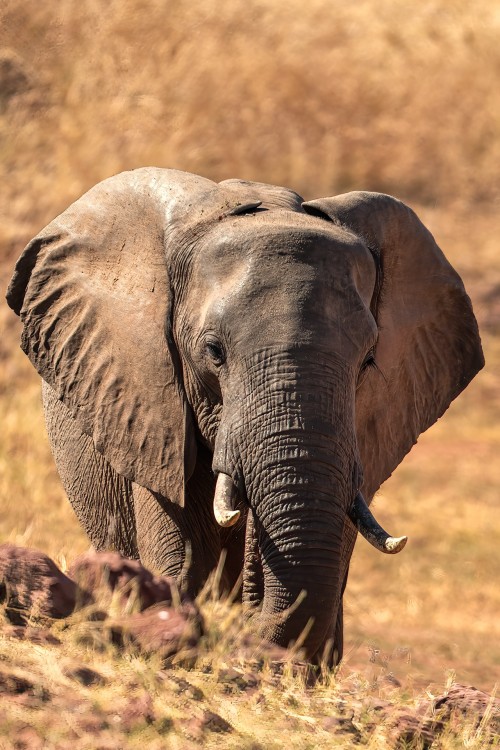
x=226 y=366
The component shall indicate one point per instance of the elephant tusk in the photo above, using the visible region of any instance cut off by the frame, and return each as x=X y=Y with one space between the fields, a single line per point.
x=224 y=501
x=364 y=520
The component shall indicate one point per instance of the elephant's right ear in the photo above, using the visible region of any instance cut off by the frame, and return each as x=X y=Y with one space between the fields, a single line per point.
x=428 y=346
x=92 y=291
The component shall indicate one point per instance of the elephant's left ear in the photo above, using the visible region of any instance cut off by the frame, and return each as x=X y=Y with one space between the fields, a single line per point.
x=93 y=294
x=428 y=347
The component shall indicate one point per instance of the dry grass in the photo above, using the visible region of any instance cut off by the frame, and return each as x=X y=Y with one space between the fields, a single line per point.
x=436 y=607
x=86 y=693
x=322 y=98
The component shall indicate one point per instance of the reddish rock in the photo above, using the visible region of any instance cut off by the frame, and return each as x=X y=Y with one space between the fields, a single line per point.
x=430 y=718
x=137 y=711
x=238 y=679
x=14 y=686
x=31 y=585
x=407 y=729
x=84 y=675
x=182 y=686
x=107 y=572
x=35 y=635
x=212 y=722
x=207 y=721
x=27 y=738
x=340 y=725
x=11 y=684
x=159 y=629
x=470 y=703
x=467 y=699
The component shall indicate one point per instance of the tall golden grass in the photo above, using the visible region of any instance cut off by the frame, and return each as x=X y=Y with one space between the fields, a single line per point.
x=323 y=96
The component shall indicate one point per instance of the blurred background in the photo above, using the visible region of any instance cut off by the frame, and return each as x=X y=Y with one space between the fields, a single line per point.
x=322 y=97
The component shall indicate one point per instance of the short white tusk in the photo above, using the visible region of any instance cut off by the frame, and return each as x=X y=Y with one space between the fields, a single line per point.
x=367 y=525
x=225 y=499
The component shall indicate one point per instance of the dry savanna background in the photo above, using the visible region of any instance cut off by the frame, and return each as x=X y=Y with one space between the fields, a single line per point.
x=323 y=97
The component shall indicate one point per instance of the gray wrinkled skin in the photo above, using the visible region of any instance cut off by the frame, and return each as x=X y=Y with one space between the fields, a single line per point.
x=183 y=327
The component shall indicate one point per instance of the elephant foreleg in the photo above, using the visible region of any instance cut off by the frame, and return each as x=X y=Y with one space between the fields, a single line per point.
x=160 y=541
x=338 y=638
x=175 y=541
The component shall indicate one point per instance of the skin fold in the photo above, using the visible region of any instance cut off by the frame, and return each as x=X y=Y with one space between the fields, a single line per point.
x=187 y=330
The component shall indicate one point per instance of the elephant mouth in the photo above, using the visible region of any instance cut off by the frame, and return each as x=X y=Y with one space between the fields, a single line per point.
x=226 y=514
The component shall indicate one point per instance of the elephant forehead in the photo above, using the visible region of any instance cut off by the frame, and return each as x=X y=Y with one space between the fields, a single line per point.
x=286 y=279
x=253 y=257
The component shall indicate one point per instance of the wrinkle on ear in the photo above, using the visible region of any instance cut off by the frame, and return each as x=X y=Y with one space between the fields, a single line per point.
x=95 y=304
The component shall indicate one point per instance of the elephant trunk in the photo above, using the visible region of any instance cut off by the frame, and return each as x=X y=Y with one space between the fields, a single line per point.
x=292 y=567
x=290 y=445
x=301 y=566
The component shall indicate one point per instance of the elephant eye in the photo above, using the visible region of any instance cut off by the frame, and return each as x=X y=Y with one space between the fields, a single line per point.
x=215 y=352
x=369 y=360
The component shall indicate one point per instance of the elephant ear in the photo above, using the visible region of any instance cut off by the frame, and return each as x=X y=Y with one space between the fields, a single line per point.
x=92 y=291
x=428 y=347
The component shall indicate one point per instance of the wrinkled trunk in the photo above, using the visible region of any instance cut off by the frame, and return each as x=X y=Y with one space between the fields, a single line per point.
x=299 y=520
x=292 y=445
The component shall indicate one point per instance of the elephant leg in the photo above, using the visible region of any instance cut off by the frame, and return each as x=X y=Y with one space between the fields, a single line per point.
x=101 y=498
x=207 y=539
x=160 y=539
x=338 y=638
x=233 y=542
x=180 y=542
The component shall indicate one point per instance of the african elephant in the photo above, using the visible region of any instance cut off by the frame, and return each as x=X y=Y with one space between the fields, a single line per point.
x=201 y=340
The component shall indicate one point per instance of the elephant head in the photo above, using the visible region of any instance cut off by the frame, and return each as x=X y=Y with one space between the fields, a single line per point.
x=304 y=345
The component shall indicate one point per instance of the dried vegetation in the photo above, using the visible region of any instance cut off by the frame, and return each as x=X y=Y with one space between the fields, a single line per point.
x=322 y=97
